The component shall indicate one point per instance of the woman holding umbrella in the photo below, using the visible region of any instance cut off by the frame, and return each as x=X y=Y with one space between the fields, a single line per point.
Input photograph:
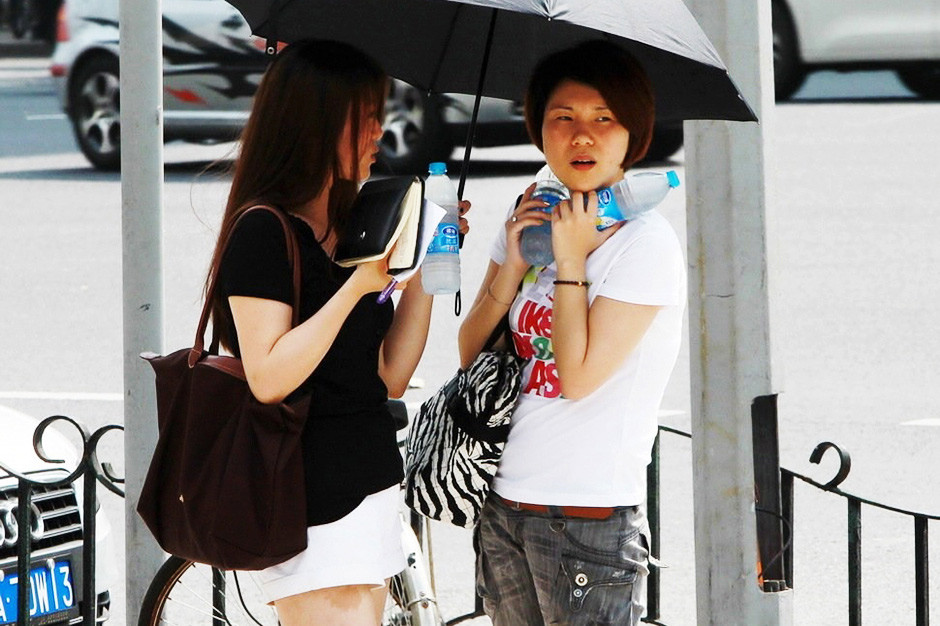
x=563 y=537
x=310 y=139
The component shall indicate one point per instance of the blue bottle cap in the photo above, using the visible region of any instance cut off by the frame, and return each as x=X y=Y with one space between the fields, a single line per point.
x=437 y=168
x=673 y=179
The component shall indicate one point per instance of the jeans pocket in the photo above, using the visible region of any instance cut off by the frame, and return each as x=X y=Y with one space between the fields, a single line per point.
x=600 y=562
x=603 y=584
x=484 y=576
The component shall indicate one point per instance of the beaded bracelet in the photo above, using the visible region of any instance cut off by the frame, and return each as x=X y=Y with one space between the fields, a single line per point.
x=575 y=283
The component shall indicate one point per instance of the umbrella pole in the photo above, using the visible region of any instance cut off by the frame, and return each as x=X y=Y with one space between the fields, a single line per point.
x=471 y=130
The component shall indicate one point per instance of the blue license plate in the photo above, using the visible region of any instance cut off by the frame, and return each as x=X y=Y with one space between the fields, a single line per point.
x=50 y=591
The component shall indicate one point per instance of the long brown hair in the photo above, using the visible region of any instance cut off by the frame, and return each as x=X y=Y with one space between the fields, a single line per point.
x=290 y=145
x=612 y=71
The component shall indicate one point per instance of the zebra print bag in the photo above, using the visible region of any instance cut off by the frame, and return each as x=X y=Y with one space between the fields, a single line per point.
x=458 y=437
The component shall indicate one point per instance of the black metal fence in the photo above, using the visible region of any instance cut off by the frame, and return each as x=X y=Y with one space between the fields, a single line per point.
x=783 y=559
x=39 y=516
x=40 y=520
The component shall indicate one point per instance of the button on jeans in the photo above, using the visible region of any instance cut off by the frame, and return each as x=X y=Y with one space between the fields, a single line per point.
x=535 y=568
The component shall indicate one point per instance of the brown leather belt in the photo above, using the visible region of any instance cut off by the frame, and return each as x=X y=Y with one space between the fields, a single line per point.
x=584 y=512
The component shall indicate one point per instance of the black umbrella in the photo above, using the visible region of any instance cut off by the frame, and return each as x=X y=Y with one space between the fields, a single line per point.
x=490 y=47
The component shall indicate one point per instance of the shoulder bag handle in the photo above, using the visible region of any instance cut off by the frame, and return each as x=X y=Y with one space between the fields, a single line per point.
x=293 y=257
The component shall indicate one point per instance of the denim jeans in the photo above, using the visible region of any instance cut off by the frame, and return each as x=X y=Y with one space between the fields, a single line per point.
x=535 y=569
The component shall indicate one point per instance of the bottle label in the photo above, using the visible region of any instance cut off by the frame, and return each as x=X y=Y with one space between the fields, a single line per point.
x=446 y=240
x=608 y=213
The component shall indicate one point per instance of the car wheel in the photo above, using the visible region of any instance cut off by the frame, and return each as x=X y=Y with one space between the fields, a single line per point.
x=667 y=140
x=789 y=72
x=414 y=131
x=924 y=81
x=95 y=111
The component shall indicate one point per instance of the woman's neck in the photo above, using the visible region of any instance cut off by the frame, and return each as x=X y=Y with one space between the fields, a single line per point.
x=316 y=215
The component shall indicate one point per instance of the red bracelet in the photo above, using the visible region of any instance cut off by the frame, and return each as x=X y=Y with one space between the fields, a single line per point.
x=575 y=283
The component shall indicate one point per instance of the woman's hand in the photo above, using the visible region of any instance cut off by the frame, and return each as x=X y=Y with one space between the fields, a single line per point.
x=574 y=229
x=371 y=277
x=528 y=212
x=462 y=207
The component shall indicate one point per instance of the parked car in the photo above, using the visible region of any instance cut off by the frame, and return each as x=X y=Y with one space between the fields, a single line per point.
x=212 y=66
x=56 y=530
x=857 y=34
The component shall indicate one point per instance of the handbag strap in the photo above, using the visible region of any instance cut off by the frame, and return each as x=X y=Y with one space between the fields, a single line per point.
x=293 y=258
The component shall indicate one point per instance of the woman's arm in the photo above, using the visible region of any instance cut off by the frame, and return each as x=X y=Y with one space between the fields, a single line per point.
x=277 y=358
x=501 y=282
x=404 y=344
x=589 y=342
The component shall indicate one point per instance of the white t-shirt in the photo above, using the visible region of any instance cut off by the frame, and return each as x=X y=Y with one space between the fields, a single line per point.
x=594 y=451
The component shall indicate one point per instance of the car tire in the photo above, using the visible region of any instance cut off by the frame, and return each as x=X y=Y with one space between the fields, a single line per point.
x=924 y=81
x=415 y=133
x=789 y=72
x=95 y=111
x=667 y=140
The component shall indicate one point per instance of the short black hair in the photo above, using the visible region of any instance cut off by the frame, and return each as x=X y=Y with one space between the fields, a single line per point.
x=612 y=71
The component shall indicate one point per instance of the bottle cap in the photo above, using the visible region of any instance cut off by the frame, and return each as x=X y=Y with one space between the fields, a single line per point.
x=437 y=168
x=673 y=179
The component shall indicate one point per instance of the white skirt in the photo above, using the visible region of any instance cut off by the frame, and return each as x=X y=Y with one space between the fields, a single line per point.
x=362 y=548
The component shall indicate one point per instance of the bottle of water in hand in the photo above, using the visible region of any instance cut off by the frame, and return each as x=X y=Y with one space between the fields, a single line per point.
x=440 y=272
x=633 y=196
x=536 y=242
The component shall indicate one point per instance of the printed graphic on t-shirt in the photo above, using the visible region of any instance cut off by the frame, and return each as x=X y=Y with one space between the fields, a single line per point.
x=532 y=334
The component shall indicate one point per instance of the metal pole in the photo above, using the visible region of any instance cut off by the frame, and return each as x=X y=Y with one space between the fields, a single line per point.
x=921 y=571
x=653 y=499
x=855 y=562
x=142 y=228
x=730 y=251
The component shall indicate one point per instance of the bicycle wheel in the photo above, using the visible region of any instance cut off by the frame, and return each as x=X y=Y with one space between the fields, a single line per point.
x=410 y=599
x=190 y=594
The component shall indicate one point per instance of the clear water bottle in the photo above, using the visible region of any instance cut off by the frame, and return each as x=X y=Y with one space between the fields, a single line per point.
x=440 y=272
x=633 y=196
x=536 y=242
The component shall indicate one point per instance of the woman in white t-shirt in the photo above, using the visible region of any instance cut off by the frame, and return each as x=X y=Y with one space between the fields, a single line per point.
x=563 y=537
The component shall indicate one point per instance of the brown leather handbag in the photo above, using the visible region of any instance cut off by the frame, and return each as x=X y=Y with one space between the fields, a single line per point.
x=225 y=485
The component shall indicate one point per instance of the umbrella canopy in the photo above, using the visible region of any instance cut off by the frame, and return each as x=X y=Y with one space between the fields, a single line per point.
x=442 y=45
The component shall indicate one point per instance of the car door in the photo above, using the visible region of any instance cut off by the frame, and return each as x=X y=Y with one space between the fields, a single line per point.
x=211 y=64
x=860 y=31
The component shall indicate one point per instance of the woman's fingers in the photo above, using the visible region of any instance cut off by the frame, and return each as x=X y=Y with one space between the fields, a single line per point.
x=580 y=204
x=462 y=224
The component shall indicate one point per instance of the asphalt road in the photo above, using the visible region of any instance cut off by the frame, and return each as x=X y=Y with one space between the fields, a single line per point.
x=854 y=191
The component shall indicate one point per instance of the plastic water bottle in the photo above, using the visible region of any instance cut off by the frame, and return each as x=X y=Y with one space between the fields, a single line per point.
x=440 y=272
x=633 y=196
x=536 y=242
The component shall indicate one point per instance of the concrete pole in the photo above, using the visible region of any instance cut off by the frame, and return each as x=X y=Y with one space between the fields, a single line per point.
x=730 y=251
x=142 y=235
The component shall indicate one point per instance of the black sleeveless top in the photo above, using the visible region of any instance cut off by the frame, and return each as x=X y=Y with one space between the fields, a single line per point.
x=349 y=443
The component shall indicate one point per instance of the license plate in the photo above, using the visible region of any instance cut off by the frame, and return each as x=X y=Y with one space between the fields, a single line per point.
x=50 y=591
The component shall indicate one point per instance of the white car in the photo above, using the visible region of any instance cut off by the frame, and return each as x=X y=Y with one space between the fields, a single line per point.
x=857 y=34
x=211 y=69
x=56 y=529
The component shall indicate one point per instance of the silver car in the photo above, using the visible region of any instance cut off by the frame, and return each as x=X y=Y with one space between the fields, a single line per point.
x=857 y=34
x=211 y=69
